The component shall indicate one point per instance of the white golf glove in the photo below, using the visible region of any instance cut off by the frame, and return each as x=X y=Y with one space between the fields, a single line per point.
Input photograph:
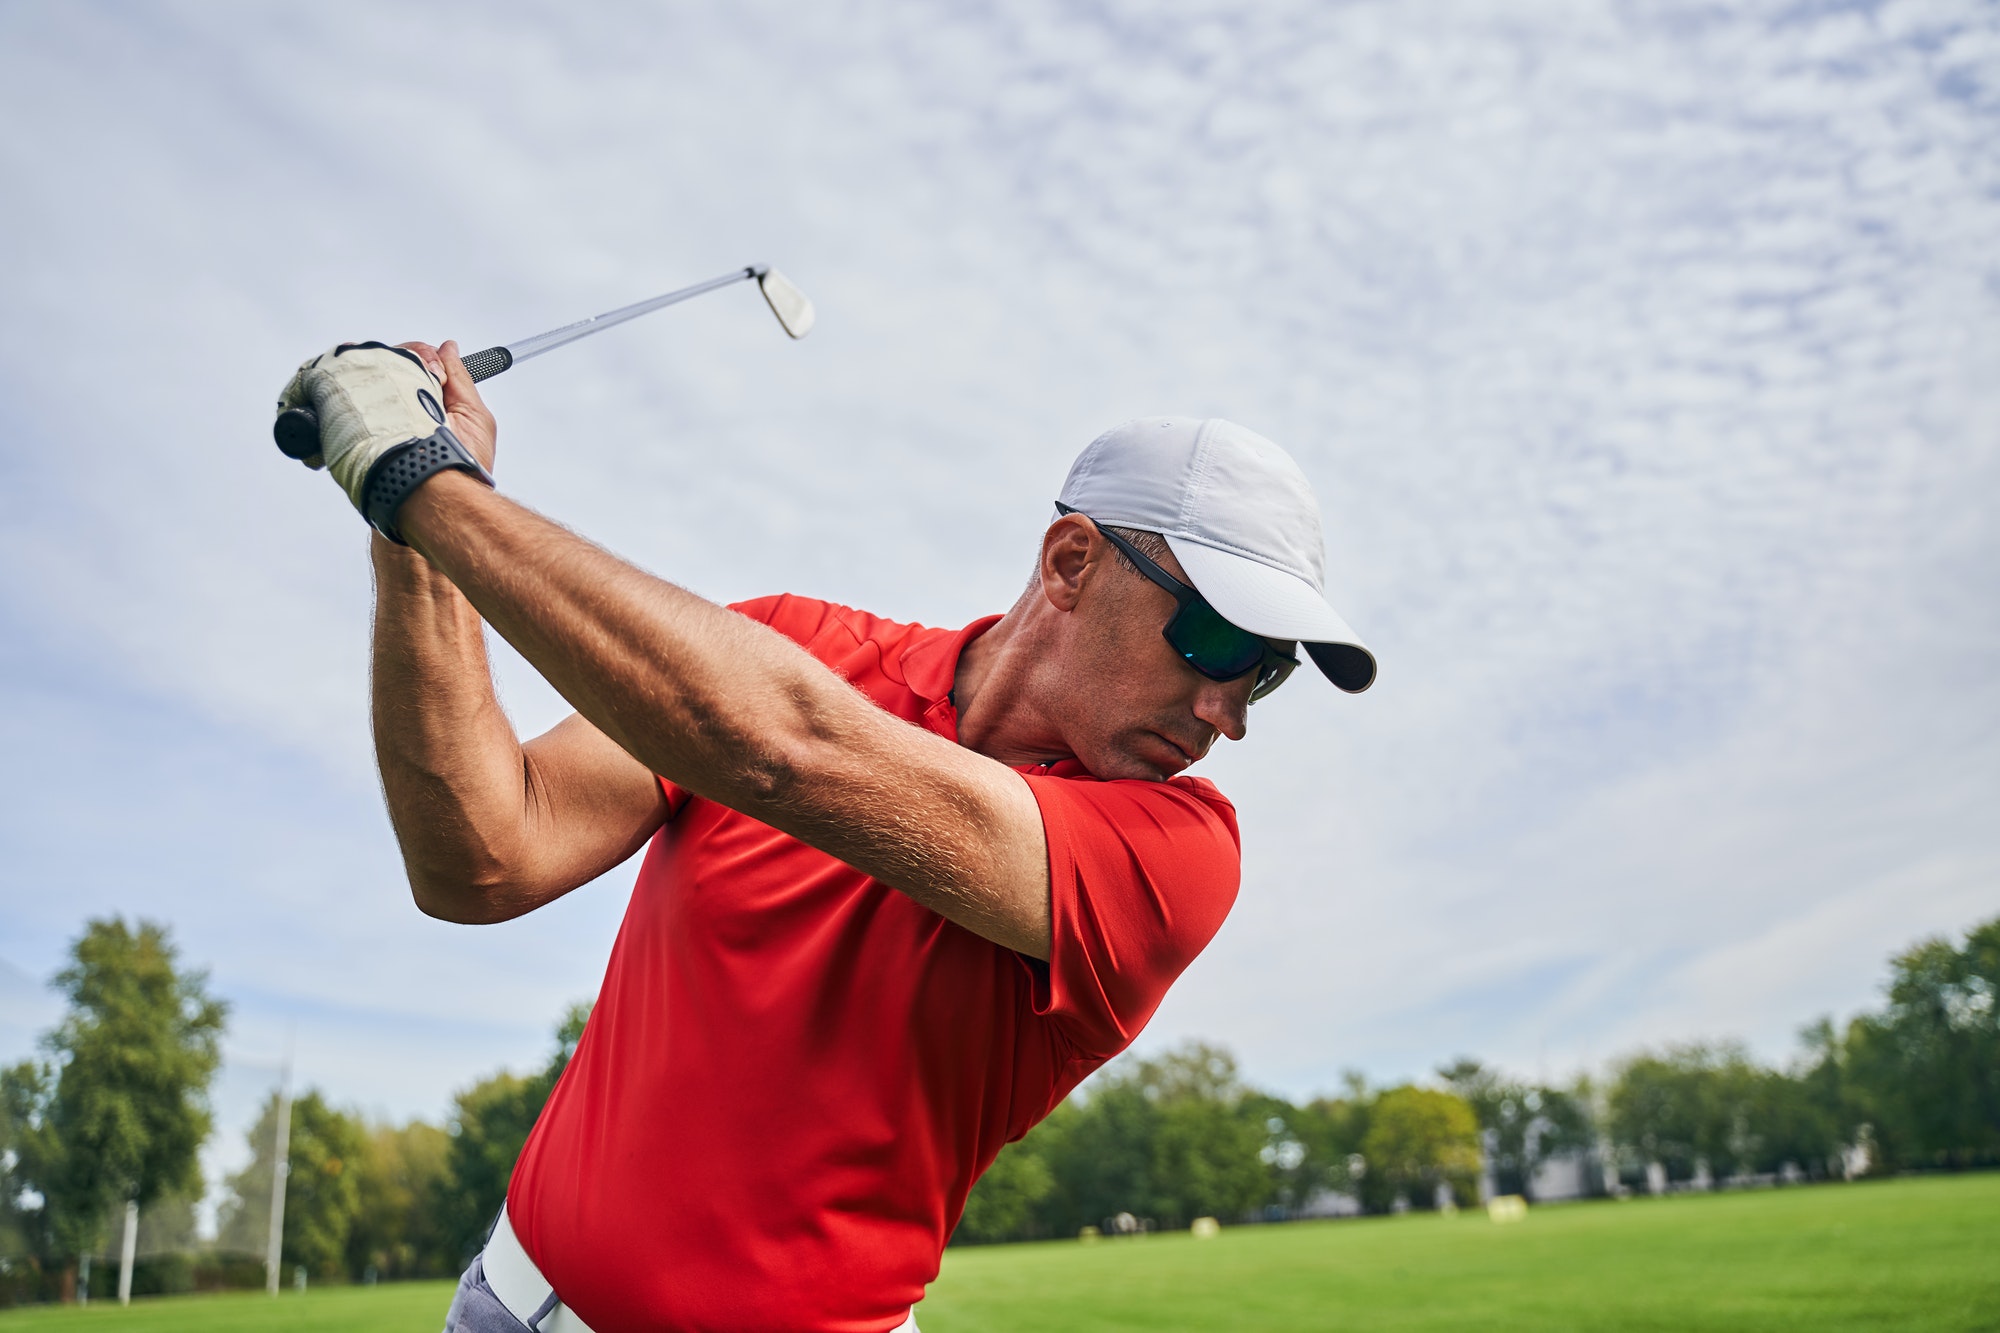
x=371 y=400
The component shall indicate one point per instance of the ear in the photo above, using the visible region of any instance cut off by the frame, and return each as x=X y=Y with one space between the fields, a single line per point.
x=1069 y=552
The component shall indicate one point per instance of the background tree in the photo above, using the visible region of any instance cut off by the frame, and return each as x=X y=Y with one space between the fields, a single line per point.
x=1521 y=1125
x=489 y=1124
x=1690 y=1106
x=1925 y=1072
x=1004 y=1202
x=1208 y=1138
x=120 y=1110
x=1419 y=1138
x=322 y=1190
x=1332 y=1130
x=404 y=1181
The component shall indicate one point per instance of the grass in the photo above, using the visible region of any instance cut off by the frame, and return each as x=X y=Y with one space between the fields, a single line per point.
x=398 y=1307
x=1911 y=1254
x=1907 y=1254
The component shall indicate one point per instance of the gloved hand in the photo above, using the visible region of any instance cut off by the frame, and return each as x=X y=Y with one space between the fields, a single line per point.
x=379 y=405
x=369 y=398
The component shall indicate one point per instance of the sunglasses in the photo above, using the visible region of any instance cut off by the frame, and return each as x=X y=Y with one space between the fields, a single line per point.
x=1204 y=640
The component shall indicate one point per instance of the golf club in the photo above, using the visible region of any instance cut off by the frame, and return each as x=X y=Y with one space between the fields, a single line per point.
x=297 y=429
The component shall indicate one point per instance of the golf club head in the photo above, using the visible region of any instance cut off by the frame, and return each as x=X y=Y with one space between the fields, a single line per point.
x=787 y=302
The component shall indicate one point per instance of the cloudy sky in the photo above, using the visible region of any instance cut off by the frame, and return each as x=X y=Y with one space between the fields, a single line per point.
x=1643 y=356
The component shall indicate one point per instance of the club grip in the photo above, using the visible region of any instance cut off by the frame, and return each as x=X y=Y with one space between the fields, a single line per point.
x=297 y=429
x=485 y=365
x=297 y=432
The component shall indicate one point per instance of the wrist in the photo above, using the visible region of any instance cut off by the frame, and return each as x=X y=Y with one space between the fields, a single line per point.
x=399 y=473
x=433 y=508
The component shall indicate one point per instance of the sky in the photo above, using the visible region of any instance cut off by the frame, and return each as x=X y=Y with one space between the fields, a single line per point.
x=1642 y=357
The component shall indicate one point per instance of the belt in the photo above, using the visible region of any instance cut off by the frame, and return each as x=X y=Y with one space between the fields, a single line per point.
x=515 y=1281
x=517 y=1284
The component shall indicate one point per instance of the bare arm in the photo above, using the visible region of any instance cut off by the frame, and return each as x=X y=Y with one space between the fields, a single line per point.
x=728 y=709
x=489 y=828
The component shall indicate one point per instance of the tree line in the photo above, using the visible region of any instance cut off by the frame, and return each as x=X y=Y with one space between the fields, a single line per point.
x=1913 y=1085
x=116 y=1111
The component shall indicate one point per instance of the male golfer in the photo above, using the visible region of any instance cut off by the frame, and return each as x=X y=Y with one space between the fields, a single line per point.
x=905 y=888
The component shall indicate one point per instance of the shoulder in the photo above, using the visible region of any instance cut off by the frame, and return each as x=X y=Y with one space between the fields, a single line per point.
x=1183 y=819
x=1130 y=797
x=807 y=619
x=871 y=652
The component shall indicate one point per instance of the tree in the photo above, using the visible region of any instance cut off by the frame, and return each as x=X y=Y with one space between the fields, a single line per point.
x=328 y=1150
x=1689 y=1107
x=1207 y=1139
x=490 y=1122
x=1522 y=1125
x=1925 y=1072
x=404 y=1178
x=1331 y=1130
x=1099 y=1148
x=1170 y=1139
x=1419 y=1138
x=120 y=1110
x=1003 y=1201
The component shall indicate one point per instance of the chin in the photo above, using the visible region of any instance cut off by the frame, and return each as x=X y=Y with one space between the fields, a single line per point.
x=1149 y=759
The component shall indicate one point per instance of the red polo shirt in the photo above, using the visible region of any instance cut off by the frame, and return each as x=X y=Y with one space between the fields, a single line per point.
x=794 y=1073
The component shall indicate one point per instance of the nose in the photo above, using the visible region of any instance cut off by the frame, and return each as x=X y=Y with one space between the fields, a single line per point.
x=1225 y=706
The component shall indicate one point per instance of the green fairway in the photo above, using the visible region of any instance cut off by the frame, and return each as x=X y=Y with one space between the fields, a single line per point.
x=1913 y=1254
x=1903 y=1255
x=401 y=1307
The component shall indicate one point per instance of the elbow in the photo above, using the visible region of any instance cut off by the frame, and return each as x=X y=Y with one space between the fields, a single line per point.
x=463 y=900
x=769 y=775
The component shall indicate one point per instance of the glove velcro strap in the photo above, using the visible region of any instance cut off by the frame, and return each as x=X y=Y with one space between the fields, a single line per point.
x=400 y=470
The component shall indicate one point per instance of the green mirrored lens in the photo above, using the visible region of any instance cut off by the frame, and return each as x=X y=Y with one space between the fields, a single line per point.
x=1211 y=644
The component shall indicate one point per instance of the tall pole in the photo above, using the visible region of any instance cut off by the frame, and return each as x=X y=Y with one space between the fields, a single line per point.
x=281 y=1166
x=129 y=1252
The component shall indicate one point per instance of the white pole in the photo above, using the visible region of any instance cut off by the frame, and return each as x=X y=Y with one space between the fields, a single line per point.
x=280 y=1168
x=126 y=1255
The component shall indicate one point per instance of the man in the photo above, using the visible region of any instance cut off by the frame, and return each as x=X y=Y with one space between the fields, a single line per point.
x=906 y=887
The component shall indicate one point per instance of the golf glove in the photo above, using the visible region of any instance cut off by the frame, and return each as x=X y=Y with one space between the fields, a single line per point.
x=381 y=426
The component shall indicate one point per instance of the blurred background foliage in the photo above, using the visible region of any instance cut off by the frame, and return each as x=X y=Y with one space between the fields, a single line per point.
x=116 y=1110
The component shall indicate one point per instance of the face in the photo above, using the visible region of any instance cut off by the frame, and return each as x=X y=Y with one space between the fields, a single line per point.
x=1128 y=706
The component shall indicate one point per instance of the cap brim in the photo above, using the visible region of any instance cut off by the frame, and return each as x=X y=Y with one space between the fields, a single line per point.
x=1277 y=605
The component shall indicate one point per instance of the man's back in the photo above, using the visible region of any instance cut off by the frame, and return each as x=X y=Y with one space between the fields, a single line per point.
x=794 y=1073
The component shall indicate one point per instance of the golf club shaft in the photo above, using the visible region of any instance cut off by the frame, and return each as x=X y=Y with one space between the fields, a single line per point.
x=297 y=429
x=583 y=328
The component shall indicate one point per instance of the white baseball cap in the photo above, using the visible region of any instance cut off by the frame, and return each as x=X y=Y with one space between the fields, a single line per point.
x=1240 y=517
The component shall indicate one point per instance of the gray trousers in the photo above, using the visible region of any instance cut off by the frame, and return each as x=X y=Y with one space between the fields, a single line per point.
x=475 y=1309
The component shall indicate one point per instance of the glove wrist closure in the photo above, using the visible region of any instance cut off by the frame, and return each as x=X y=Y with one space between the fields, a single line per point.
x=395 y=476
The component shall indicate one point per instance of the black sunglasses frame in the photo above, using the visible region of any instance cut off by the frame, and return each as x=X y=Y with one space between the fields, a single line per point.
x=1272 y=668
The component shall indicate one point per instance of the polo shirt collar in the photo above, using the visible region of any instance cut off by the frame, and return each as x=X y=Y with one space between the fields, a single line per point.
x=931 y=669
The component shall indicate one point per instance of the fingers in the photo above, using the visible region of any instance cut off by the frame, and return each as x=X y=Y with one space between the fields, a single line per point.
x=460 y=392
x=464 y=408
x=428 y=355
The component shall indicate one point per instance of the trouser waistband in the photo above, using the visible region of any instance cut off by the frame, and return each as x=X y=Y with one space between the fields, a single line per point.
x=515 y=1281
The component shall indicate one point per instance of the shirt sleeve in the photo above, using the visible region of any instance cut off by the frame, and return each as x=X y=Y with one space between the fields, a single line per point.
x=1141 y=875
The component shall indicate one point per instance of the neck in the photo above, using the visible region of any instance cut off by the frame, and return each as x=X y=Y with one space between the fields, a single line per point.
x=995 y=691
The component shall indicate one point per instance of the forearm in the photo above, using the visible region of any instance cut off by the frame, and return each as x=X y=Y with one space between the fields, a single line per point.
x=734 y=712
x=645 y=661
x=452 y=767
